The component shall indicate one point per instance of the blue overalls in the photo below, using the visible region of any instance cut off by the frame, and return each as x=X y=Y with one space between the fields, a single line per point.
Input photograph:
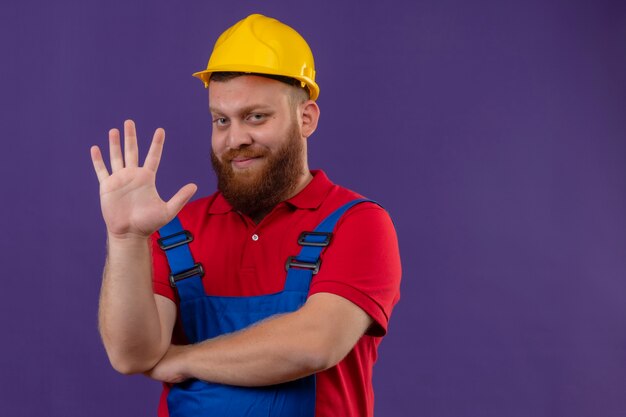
x=204 y=317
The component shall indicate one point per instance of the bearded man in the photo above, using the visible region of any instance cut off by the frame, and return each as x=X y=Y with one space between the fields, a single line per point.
x=269 y=297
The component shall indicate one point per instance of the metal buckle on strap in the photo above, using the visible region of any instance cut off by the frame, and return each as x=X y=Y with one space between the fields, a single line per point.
x=197 y=269
x=292 y=261
x=303 y=242
x=165 y=246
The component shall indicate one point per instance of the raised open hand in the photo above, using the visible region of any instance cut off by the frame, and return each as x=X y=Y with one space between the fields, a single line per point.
x=130 y=203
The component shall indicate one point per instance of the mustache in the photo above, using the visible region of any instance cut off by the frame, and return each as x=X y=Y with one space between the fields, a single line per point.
x=244 y=152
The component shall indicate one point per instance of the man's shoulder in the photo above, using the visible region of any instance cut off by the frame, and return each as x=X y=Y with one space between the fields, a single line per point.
x=335 y=194
x=339 y=195
x=364 y=214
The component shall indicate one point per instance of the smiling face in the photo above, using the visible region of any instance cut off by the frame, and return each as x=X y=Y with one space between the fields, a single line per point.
x=259 y=142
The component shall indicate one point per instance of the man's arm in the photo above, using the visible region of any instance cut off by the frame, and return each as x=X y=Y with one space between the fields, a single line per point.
x=135 y=333
x=279 y=349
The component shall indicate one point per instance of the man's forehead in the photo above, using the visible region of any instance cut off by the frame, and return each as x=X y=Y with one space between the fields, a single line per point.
x=233 y=107
x=249 y=82
x=245 y=92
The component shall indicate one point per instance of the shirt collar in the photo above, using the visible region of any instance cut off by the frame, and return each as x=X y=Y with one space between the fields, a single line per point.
x=311 y=196
x=220 y=205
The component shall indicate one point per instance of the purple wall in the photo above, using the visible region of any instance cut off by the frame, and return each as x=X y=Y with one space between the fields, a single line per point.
x=493 y=131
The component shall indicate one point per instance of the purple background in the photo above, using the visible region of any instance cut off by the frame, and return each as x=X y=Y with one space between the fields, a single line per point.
x=493 y=131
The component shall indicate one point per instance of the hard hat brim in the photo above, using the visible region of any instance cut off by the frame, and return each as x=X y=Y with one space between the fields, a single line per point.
x=205 y=75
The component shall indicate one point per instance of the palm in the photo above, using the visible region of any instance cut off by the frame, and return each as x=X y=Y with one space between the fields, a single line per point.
x=129 y=199
x=130 y=202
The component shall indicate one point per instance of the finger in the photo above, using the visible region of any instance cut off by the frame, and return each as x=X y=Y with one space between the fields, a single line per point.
x=131 y=155
x=98 y=164
x=115 y=152
x=181 y=198
x=156 y=149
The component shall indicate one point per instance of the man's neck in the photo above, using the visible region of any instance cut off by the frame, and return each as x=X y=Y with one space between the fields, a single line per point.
x=303 y=180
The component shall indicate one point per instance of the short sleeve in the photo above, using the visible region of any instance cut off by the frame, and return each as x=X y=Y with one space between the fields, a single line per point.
x=160 y=270
x=362 y=264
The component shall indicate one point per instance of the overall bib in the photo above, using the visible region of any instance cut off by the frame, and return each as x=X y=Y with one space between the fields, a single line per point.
x=204 y=317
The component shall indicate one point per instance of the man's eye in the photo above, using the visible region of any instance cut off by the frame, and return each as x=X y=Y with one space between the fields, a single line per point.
x=220 y=121
x=256 y=117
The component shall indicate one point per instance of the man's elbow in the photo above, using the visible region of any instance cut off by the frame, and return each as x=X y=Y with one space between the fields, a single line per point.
x=320 y=363
x=127 y=364
x=127 y=367
x=322 y=356
x=124 y=369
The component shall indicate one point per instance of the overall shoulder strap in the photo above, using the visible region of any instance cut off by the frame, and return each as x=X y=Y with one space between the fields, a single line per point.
x=301 y=268
x=185 y=273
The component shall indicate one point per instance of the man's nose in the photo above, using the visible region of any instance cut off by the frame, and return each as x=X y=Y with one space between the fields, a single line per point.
x=238 y=136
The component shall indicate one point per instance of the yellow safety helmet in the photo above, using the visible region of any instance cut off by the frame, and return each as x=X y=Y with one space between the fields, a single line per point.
x=260 y=44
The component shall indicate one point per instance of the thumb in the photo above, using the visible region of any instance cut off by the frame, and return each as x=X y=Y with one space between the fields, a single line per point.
x=176 y=203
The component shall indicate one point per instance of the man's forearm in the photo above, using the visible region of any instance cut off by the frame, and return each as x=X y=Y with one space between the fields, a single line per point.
x=279 y=349
x=264 y=354
x=260 y=355
x=128 y=316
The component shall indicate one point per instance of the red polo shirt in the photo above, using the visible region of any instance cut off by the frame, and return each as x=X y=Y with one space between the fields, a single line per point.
x=241 y=258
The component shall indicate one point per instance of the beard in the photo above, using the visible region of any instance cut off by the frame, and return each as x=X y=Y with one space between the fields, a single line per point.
x=257 y=190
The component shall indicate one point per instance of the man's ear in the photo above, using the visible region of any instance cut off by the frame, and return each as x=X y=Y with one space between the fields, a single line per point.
x=310 y=115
